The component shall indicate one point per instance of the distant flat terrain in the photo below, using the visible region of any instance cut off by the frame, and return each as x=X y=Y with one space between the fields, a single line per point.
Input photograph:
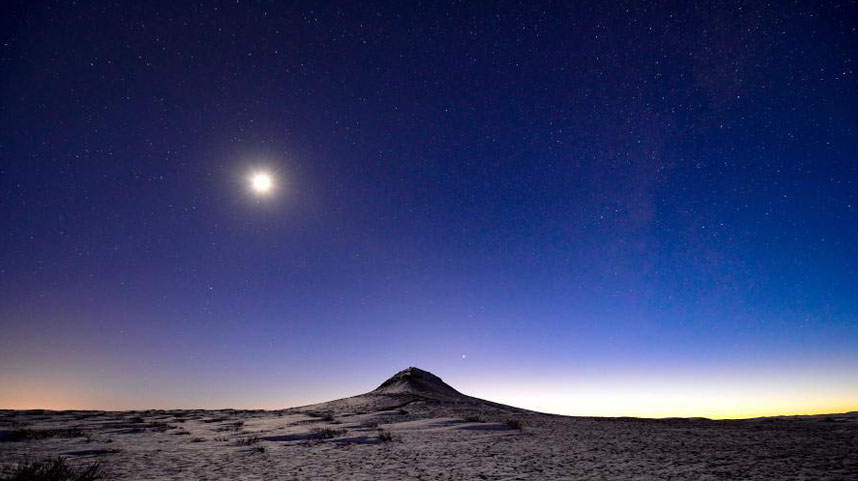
x=433 y=444
x=406 y=430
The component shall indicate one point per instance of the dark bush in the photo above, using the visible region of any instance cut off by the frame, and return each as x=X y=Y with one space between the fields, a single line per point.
x=233 y=426
x=24 y=434
x=215 y=420
x=324 y=416
x=328 y=433
x=247 y=441
x=54 y=469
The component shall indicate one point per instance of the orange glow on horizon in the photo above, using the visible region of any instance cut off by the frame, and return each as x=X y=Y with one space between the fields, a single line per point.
x=711 y=396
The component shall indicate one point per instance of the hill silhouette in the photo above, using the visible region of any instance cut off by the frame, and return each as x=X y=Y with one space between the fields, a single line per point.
x=410 y=387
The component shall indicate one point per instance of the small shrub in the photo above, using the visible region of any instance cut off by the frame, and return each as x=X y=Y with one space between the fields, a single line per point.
x=514 y=424
x=384 y=436
x=247 y=441
x=258 y=449
x=24 y=434
x=233 y=426
x=215 y=420
x=473 y=419
x=197 y=440
x=328 y=433
x=136 y=419
x=160 y=427
x=54 y=469
x=324 y=416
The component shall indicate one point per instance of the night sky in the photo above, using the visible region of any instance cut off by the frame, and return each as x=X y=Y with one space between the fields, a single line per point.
x=609 y=208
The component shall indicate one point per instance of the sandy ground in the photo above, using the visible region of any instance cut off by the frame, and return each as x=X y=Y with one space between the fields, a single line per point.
x=434 y=441
x=416 y=427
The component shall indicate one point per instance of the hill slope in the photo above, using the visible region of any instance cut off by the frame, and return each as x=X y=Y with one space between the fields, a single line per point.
x=410 y=387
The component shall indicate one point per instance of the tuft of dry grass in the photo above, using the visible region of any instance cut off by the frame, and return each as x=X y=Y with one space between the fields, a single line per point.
x=384 y=436
x=24 y=434
x=54 y=469
x=215 y=420
x=232 y=426
x=514 y=424
x=323 y=416
x=250 y=441
x=327 y=433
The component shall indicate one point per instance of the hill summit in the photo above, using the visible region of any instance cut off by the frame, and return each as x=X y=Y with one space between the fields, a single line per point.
x=421 y=390
x=416 y=381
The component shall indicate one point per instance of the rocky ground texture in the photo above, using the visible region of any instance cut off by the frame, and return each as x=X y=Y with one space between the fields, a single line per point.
x=414 y=426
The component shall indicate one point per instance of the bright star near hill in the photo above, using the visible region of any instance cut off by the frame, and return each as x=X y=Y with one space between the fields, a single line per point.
x=261 y=183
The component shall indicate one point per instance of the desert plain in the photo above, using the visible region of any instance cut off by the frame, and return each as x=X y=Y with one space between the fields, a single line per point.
x=416 y=427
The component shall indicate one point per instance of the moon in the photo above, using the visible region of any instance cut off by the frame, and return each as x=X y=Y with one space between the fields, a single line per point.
x=261 y=183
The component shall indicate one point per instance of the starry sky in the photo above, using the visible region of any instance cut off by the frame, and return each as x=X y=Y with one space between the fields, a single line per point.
x=597 y=208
